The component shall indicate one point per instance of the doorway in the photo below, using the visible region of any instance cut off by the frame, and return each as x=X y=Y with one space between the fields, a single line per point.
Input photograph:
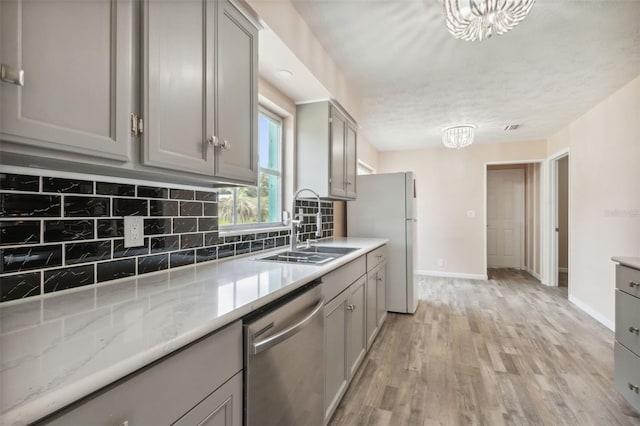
x=562 y=228
x=505 y=217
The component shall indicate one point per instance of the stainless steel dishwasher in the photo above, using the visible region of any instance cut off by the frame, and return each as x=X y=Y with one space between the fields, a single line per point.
x=284 y=361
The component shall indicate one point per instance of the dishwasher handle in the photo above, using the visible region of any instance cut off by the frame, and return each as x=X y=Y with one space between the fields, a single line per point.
x=270 y=342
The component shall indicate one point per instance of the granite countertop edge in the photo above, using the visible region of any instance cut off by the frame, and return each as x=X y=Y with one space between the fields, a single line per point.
x=48 y=404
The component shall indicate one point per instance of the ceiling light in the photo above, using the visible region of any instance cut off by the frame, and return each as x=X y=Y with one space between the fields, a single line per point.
x=472 y=20
x=458 y=136
x=284 y=74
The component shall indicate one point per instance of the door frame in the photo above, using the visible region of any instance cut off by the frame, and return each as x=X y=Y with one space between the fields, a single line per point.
x=550 y=235
x=542 y=208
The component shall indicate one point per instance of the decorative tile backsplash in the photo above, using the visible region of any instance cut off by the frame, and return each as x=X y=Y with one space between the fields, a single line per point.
x=58 y=233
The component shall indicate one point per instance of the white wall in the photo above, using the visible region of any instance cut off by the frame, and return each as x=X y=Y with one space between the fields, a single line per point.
x=604 y=196
x=449 y=183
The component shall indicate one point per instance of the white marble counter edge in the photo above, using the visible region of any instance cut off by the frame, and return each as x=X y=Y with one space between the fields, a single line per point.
x=50 y=403
x=630 y=261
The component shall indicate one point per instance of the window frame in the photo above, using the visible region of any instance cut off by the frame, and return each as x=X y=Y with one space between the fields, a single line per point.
x=279 y=173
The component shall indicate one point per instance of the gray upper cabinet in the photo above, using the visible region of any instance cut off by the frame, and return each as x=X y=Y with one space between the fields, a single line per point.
x=179 y=84
x=75 y=58
x=238 y=96
x=326 y=149
x=200 y=88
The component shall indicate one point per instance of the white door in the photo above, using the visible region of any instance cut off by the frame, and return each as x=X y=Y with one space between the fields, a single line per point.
x=505 y=218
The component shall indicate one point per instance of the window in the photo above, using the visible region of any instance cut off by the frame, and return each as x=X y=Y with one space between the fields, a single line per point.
x=251 y=205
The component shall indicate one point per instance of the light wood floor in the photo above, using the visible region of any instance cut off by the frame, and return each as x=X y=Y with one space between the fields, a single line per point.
x=503 y=351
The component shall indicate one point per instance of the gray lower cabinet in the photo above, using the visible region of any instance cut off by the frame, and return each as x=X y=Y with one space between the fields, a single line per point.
x=75 y=58
x=627 y=346
x=356 y=322
x=376 y=301
x=200 y=90
x=200 y=383
x=336 y=342
x=221 y=408
x=327 y=144
x=352 y=311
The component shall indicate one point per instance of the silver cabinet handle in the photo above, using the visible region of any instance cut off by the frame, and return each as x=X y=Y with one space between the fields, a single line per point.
x=288 y=332
x=633 y=284
x=379 y=256
x=378 y=278
x=11 y=75
x=351 y=307
x=634 y=330
x=349 y=183
x=634 y=388
x=215 y=142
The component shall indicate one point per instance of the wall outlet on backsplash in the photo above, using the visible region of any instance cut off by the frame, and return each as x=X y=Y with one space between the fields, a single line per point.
x=133 y=231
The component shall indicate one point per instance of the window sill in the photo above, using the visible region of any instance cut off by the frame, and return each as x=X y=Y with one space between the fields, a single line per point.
x=250 y=230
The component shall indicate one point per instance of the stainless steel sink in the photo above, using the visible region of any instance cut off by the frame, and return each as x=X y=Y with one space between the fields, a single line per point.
x=328 y=250
x=300 y=257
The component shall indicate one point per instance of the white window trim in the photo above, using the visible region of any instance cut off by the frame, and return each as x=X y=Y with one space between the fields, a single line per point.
x=239 y=228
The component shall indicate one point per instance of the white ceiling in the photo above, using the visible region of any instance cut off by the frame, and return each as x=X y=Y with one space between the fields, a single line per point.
x=414 y=78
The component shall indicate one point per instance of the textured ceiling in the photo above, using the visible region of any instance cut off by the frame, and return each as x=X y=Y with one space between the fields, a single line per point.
x=414 y=78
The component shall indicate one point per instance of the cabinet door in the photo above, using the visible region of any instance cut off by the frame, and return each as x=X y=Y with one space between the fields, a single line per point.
x=337 y=146
x=335 y=347
x=357 y=320
x=238 y=96
x=77 y=61
x=222 y=408
x=351 y=161
x=179 y=84
x=372 y=307
x=381 y=280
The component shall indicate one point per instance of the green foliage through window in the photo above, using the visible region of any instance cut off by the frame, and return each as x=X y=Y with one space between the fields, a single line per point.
x=261 y=204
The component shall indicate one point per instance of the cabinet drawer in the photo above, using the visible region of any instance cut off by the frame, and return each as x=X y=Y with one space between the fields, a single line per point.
x=628 y=321
x=164 y=391
x=376 y=257
x=336 y=281
x=628 y=280
x=627 y=373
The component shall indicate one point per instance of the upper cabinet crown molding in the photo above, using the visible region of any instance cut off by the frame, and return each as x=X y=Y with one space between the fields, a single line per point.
x=326 y=138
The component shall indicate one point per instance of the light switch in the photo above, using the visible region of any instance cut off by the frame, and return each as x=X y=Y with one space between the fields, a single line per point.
x=133 y=231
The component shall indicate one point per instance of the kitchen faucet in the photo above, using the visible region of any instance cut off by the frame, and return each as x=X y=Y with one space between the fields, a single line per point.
x=293 y=238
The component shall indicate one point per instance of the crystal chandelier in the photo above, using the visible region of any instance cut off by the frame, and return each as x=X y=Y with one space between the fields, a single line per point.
x=472 y=20
x=458 y=136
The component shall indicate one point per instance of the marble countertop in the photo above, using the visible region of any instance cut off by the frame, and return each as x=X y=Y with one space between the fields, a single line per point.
x=56 y=349
x=632 y=262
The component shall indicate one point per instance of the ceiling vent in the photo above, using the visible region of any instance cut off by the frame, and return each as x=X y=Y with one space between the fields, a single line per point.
x=510 y=127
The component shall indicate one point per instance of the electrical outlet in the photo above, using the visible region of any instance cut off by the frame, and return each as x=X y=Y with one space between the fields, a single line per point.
x=471 y=214
x=133 y=231
x=441 y=262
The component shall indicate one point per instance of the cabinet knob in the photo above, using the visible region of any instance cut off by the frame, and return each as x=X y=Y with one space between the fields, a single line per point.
x=226 y=145
x=378 y=278
x=634 y=330
x=633 y=284
x=349 y=183
x=213 y=141
x=379 y=256
x=351 y=307
x=11 y=75
x=634 y=388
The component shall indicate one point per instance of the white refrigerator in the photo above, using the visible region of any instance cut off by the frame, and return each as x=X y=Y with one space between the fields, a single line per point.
x=386 y=208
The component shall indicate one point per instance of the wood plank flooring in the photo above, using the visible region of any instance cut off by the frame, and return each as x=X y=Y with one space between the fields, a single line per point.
x=503 y=351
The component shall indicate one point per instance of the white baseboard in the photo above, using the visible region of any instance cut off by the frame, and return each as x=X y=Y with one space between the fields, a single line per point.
x=452 y=275
x=565 y=270
x=593 y=313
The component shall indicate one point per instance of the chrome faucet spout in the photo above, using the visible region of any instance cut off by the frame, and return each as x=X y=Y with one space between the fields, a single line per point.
x=293 y=238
